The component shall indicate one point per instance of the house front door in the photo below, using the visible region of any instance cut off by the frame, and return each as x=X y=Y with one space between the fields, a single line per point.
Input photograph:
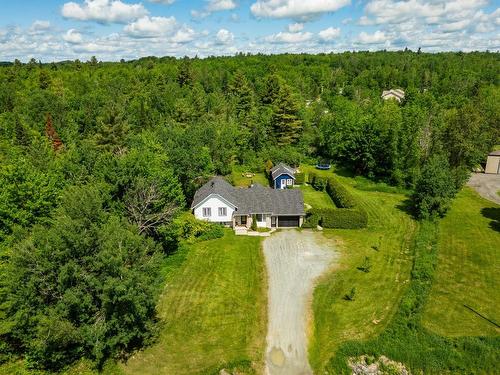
x=283 y=183
x=243 y=220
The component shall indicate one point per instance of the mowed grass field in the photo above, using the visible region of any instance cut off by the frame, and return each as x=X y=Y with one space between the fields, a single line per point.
x=240 y=180
x=316 y=199
x=213 y=311
x=378 y=292
x=468 y=269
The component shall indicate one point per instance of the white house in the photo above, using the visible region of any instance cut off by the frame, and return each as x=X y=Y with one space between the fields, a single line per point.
x=220 y=202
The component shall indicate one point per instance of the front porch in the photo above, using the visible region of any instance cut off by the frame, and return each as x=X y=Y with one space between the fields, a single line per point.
x=263 y=221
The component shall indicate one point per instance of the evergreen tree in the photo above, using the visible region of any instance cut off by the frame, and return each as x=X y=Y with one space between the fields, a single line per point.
x=185 y=75
x=240 y=88
x=286 y=124
x=21 y=134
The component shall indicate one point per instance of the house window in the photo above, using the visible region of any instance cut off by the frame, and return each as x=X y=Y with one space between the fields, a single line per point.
x=259 y=217
x=222 y=211
x=290 y=181
x=207 y=212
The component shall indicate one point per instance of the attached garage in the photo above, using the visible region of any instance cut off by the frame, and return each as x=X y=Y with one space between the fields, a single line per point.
x=288 y=221
x=493 y=163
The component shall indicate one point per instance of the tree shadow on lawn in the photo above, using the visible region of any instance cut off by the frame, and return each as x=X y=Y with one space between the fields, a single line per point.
x=407 y=207
x=494 y=214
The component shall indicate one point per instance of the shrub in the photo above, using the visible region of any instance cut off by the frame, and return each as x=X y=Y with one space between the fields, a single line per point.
x=253 y=226
x=310 y=177
x=350 y=296
x=187 y=228
x=345 y=218
x=319 y=183
x=339 y=194
x=311 y=220
x=300 y=178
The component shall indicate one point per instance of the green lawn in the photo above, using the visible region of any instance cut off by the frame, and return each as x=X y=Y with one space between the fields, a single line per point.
x=239 y=179
x=468 y=270
x=316 y=199
x=307 y=169
x=213 y=311
x=378 y=292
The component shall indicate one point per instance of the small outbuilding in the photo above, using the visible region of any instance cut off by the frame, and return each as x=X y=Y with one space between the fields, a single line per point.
x=397 y=94
x=493 y=163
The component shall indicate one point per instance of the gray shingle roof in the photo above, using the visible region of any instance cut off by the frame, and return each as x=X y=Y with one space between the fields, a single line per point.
x=216 y=185
x=254 y=200
x=280 y=169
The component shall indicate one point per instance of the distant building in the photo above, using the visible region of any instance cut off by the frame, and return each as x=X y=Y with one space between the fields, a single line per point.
x=397 y=94
x=493 y=163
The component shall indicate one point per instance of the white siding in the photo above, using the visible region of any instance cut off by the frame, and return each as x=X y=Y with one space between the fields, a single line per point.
x=214 y=203
x=493 y=164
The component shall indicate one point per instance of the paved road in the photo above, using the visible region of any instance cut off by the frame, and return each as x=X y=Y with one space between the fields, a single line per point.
x=294 y=260
x=487 y=185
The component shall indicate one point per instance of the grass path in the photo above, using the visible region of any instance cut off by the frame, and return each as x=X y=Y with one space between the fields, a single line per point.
x=213 y=311
x=378 y=292
x=316 y=199
x=468 y=270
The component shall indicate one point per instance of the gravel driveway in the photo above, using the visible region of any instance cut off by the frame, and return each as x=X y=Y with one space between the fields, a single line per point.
x=294 y=260
x=487 y=185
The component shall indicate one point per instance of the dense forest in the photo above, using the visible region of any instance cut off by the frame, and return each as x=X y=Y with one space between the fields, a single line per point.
x=98 y=161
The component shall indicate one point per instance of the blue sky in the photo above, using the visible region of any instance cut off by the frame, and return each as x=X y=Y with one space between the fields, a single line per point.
x=52 y=30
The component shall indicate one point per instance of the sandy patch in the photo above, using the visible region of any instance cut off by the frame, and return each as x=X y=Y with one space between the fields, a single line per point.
x=294 y=261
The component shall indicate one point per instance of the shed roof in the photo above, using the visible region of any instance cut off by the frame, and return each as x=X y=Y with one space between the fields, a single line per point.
x=280 y=169
x=494 y=153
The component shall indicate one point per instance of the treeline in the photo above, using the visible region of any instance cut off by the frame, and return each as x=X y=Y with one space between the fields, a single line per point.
x=97 y=160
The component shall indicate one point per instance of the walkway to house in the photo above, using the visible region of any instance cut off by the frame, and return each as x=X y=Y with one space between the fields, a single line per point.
x=487 y=185
x=294 y=260
x=243 y=231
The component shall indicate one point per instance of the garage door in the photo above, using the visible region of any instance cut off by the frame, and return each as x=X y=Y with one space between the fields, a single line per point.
x=288 y=221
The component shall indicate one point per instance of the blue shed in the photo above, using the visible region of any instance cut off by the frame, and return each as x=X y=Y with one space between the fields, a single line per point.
x=283 y=176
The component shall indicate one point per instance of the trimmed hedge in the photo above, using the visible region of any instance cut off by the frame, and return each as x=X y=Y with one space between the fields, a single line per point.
x=347 y=216
x=339 y=194
x=319 y=183
x=312 y=220
x=300 y=178
x=310 y=177
x=342 y=218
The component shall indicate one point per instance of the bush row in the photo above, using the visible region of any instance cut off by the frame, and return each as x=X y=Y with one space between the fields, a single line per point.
x=347 y=216
x=339 y=194
x=340 y=218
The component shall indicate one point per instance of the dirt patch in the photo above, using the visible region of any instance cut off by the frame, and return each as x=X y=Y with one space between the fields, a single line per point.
x=294 y=261
x=487 y=185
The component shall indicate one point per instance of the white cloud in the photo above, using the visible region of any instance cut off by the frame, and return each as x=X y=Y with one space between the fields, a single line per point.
x=184 y=35
x=295 y=27
x=166 y=2
x=224 y=36
x=329 y=34
x=285 y=37
x=39 y=25
x=430 y=11
x=146 y=27
x=103 y=11
x=213 y=6
x=378 y=37
x=298 y=9
x=73 y=36
x=219 y=5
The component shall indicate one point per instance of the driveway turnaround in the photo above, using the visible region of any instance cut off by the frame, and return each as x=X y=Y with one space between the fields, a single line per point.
x=487 y=185
x=294 y=260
